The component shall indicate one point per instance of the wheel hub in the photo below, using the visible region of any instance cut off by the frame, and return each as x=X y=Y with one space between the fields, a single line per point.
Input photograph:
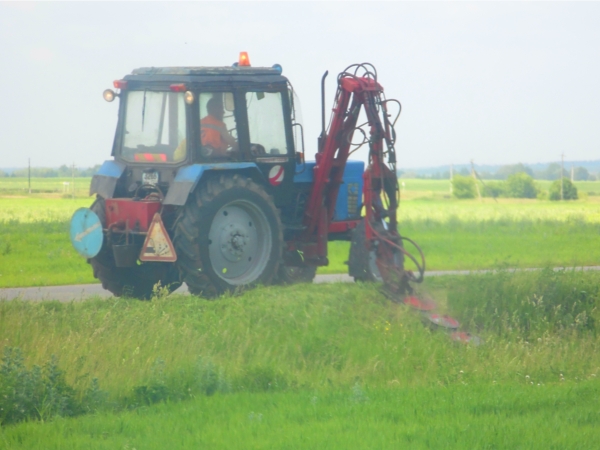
x=240 y=242
x=234 y=241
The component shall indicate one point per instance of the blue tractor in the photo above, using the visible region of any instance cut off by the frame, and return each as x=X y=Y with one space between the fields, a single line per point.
x=209 y=186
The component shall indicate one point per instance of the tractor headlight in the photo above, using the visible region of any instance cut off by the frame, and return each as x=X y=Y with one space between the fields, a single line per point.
x=188 y=97
x=109 y=95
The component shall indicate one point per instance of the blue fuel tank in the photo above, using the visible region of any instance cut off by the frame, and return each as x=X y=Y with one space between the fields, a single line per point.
x=349 y=201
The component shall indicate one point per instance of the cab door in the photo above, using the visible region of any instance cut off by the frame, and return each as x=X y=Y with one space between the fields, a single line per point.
x=271 y=140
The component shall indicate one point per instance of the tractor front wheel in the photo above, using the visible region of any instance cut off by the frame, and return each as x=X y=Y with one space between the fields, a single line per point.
x=228 y=236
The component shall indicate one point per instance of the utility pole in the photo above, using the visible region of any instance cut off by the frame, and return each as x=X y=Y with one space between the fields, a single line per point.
x=572 y=173
x=29 y=174
x=475 y=179
x=562 y=169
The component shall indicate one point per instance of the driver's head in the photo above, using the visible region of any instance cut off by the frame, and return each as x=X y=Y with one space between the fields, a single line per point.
x=215 y=107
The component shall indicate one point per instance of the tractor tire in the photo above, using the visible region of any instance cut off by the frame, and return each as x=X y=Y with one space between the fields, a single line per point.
x=296 y=274
x=228 y=236
x=361 y=262
x=136 y=282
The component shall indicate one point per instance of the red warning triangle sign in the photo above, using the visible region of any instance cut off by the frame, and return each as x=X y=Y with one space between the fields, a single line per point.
x=158 y=245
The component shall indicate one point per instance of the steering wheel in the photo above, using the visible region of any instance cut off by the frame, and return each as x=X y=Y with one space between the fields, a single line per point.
x=257 y=150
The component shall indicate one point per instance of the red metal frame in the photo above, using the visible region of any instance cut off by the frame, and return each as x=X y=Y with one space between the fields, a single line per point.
x=342 y=226
x=137 y=214
x=380 y=188
x=353 y=95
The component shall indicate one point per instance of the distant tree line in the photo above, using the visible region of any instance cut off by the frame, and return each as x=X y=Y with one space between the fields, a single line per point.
x=551 y=172
x=63 y=171
x=517 y=185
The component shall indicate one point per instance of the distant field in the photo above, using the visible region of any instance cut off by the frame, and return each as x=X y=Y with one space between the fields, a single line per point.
x=58 y=186
x=469 y=234
x=26 y=209
x=454 y=234
x=411 y=188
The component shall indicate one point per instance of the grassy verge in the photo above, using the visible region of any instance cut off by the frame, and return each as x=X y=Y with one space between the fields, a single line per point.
x=310 y=366
x=309 y=336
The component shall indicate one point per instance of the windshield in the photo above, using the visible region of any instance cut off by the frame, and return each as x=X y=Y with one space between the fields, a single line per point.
x=154 y=127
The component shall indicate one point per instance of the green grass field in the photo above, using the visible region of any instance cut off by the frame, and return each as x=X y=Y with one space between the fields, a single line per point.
x=335 y=366
x=466 y=234
x=34 y=243
x=315 y=366
x=482 y=417
x=471 y=235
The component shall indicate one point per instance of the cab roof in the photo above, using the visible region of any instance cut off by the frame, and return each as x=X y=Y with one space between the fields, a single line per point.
x=207 y=74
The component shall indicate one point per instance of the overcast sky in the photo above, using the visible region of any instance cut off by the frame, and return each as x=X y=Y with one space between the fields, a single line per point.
x=495 y=82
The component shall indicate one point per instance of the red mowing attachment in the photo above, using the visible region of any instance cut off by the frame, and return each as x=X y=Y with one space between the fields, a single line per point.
x=443 y=321
x=418 y=304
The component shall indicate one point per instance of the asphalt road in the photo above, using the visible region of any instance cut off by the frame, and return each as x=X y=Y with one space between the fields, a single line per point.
x=79 y=292
x=85 y=291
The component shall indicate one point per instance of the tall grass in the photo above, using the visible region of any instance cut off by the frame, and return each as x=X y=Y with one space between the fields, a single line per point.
x=308 y=337
x=530 y=305
x=305 y=366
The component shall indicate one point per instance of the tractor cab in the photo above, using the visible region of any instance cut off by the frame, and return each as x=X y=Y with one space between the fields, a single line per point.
x=180 y=116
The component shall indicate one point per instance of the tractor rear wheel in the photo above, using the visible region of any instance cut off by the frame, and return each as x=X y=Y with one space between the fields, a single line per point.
x=137 y=282
x=228 y=236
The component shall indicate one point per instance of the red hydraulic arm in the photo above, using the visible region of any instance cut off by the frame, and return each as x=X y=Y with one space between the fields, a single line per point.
x=358 y=90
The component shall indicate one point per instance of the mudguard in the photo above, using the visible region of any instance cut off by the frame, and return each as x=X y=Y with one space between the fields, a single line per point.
x=105 y=180
x=188 y=177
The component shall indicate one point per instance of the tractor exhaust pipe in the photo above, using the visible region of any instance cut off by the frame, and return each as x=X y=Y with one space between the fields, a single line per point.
x=322 y=136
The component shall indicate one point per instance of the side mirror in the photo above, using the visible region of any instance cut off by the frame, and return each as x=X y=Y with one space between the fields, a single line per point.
x=301 y=140
x=299 y=152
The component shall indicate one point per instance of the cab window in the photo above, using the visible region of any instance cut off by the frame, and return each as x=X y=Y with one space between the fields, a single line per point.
x=154 y=127
x=266 y=123
x=218 y=128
